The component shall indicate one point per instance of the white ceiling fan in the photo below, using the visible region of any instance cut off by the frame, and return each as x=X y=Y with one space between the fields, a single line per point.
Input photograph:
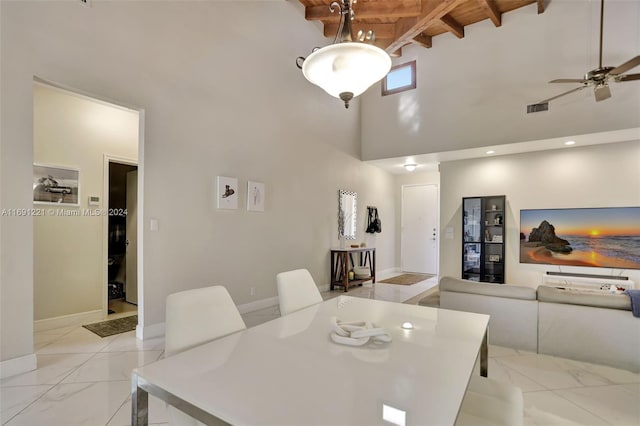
x=600 y=77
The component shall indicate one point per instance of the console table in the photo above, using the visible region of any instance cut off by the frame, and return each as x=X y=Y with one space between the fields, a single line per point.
x=342 y=258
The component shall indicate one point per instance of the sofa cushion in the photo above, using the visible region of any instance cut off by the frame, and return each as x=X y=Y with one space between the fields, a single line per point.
x=487 y=289
x=583 y=298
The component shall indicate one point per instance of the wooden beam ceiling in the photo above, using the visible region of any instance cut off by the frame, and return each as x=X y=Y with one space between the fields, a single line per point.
x=397 y=23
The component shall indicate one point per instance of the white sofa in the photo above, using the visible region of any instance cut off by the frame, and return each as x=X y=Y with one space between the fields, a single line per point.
x=513 y=309
x=598 y=328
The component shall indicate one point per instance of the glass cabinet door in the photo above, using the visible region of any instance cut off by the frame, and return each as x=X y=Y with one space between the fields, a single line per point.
x=472 y=225
x=472 y=228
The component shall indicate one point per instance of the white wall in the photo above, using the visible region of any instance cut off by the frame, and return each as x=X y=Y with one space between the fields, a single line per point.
x=221 y=96
x=594 y=176
x=68 y=254
x=474 y=91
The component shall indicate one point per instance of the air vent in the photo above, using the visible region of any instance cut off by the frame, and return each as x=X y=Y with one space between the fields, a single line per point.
x=537 y=107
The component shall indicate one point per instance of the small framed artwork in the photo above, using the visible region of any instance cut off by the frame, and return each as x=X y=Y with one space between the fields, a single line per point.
x=56 y=185
x=497 y=238
x=255 y=196
x=227 y=193
x=494 y=258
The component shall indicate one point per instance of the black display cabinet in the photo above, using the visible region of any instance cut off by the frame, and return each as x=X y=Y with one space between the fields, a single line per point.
x=483 y=238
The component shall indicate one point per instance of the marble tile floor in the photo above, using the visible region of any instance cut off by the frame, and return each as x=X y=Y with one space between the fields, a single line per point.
x=83 y=379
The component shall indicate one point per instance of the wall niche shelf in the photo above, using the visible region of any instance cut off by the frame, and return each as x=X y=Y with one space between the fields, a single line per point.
x=483 y=238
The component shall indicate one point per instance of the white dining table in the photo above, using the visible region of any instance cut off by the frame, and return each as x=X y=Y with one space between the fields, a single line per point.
x=288 y=371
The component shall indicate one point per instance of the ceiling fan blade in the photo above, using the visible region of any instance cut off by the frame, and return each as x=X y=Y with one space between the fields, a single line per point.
x=602 y=92
x=629 y=77
x=568 y=80
x=562 y=94
x=632 y=63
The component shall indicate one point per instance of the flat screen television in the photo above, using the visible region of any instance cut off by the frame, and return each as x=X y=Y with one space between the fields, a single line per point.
x=594 y=237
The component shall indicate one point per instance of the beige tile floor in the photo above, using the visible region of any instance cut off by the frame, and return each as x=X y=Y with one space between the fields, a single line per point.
x=83 y=379
x=121 y=308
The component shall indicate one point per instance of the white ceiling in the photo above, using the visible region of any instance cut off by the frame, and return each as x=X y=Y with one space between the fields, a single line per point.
x=430 y=162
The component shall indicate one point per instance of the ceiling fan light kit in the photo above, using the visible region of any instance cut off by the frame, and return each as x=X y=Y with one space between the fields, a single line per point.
x=349 y=66
x=600 y=77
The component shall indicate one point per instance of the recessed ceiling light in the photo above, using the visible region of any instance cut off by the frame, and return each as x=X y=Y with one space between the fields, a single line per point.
x=570 y=143
x=410 y=167
x=490 y=152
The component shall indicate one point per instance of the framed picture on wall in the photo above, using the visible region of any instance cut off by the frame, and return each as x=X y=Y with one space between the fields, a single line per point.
x=255 y=196
x=227 y=193
x=56 y=185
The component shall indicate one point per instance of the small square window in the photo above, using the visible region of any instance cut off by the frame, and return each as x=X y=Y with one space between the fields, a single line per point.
x=400 y=78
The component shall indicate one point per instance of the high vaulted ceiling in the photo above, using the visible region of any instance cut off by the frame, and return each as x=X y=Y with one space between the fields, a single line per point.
x=397 y=23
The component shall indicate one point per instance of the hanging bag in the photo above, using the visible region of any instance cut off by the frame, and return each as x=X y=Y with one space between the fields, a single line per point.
x=370 y=219
x=377 y=224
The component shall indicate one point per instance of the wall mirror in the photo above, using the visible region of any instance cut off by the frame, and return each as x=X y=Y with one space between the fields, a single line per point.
x=348 y=201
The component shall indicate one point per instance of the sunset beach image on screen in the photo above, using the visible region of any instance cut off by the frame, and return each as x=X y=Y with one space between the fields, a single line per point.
x=595 y=237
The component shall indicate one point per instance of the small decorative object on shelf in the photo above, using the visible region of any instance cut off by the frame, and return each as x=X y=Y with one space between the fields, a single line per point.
x=483 y=231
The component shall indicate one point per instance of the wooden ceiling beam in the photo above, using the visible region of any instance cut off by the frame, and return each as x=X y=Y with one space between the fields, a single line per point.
x=432 y=10
x=383 y=31
x=422 y=40
x=489 y=6
x=368 y=10
x=403 y=25
x=452 y=26
x=542 y=5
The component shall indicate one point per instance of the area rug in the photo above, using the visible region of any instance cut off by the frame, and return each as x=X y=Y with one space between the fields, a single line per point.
x=114 y=326
x=407 y=279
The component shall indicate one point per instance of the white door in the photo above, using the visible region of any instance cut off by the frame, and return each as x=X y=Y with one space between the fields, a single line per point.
x=131 y=278
x=419 y=237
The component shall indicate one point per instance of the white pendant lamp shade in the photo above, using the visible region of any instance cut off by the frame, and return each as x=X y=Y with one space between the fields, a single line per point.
x=346 y=69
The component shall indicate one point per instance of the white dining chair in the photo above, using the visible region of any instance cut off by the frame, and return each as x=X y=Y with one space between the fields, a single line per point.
x=491 y=402
x=194 y=317
x=296 y=290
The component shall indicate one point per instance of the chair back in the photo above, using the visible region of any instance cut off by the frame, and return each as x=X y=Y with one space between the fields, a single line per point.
x=296 y=290
x=198 y=316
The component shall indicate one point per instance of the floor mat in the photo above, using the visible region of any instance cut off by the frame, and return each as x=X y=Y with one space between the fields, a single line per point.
x=407 y=279
x=114 y=326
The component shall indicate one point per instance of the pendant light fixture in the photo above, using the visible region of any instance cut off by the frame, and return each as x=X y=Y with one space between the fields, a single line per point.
x=349 y=66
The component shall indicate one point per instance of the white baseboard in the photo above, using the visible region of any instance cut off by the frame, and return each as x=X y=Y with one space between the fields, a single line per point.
x=149 y=331
x=68 y=320
x=258 y=304
x=387 y=273
x=19 y=365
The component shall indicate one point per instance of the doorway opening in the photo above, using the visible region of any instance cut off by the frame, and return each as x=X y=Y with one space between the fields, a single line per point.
x=122 y=290
x=73 y=136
